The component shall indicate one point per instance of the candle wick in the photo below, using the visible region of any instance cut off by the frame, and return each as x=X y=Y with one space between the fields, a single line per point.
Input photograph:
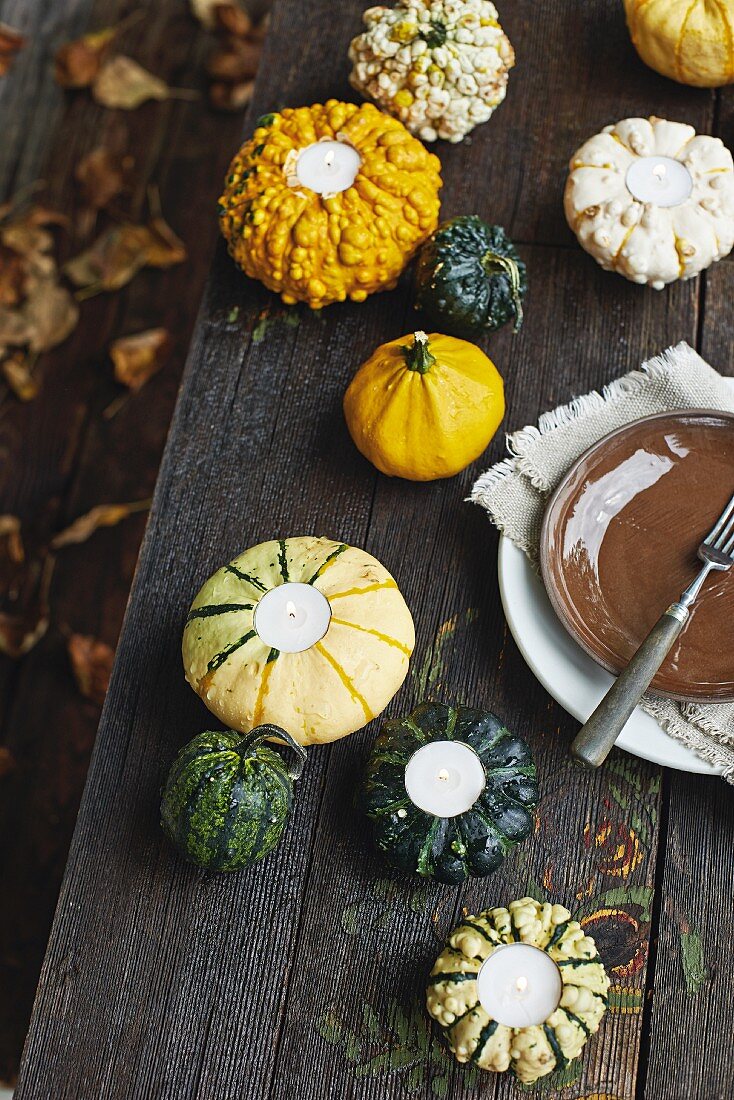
x=522 y=984
x=290 y=608
x=443 y=775
x=659 y=171
x=329 y=160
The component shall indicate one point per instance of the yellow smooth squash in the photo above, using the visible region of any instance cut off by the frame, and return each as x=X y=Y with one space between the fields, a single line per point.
x=424 y=407
x=691 y=41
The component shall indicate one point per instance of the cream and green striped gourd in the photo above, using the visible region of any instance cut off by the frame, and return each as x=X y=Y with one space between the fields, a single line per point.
x=324 y=692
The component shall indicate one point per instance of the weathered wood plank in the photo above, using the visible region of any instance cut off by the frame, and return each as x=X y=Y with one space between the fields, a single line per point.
x=243 y=969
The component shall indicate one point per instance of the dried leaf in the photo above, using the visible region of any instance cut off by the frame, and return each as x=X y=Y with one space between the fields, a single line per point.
x=233 y=19
x=11 y=540
x=22 y=629
x=103 y=515
x=203 y=10
x=102 y=176
x=11 y=41
x=137 y=358
x=123 y=84
x=18 y=372
x=119 y=253
x=12 y=275
x=7 y=761
x=77 y=63
x=91 y=663
x=236 y=63
x=51 y=314
x=15 y=330
x=231 y=97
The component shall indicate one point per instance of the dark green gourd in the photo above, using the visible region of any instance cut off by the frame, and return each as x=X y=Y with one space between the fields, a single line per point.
x=228 y=795
x=473 y=843
x=469 y=278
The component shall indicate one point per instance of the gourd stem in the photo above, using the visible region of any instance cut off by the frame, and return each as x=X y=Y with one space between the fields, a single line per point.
x=260 y=733
x=418 y=357
x=494 y=264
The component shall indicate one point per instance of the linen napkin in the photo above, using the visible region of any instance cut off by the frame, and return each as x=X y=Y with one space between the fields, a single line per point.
x=515 y=491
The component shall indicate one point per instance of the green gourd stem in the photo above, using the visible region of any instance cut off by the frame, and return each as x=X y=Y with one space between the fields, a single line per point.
x=418 y=357
x=436 y=36
x=494 y=264
x=260 y=733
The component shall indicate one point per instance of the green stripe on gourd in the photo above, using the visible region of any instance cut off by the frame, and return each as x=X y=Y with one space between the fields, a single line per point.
x=253 y=581
x=212 y=609
x=227 y=797
x=327 y=561
x=219 y=658
x=561 y=1060
x=453 y=977
x=484 y=1036
x=575 y=1019
x=283 y=560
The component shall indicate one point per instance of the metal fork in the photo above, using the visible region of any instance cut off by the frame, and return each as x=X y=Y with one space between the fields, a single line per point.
x=594 y=741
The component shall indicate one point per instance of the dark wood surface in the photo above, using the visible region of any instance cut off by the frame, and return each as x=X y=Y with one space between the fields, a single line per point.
x=305 y=975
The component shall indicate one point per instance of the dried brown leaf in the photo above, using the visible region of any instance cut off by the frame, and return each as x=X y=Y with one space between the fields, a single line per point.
x=77 y=63
x=137 y=358
x=15 y=329
x=231 y=97
x=18 y=373
x=12 y=275
x=11 y=41
x=235 y=63
x=91 y=663
x=11 y=540
x=23 y=627
x=103 y=515
x=123 y=84
x=165 y=248
x=7 y=761
x=203 y=10
x=233 y=19
x=51 y=313
x=102 y=176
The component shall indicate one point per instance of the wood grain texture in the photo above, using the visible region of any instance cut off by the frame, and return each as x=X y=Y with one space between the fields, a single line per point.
x=304 y=975
x=59 y=456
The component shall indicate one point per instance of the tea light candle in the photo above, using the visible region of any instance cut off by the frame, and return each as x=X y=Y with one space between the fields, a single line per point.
x=444 y=778
x=659 y=180
x=519 y=985
x=292 y=617
x=328 y=167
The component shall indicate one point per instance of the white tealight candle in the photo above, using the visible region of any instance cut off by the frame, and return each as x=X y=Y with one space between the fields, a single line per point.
x=444 y=778
x=328 y=166
x=292 y=617
x=519 y=985
x=659 y=180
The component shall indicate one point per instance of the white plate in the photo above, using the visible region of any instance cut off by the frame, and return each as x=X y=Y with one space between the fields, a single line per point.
x=567 y=672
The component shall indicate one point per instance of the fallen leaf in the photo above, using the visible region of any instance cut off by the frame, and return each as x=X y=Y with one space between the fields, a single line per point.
x=77 y=63
x=119 y=253
x=11 y=540
x=165 y=248
x=51 y=314
x=12 y=275
x=235 y=63
x=18 y=372
x=11 y=41
x=102 y=176
x=137 y=358
x=233 y=19
x=91 y=663
x=22 y=629
x=203 y=10
x=123 y=84
x=231 y=97
x=103 y=515
x=7 y=761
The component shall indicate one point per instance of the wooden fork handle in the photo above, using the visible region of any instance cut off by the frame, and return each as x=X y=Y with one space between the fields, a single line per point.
x=594 y=741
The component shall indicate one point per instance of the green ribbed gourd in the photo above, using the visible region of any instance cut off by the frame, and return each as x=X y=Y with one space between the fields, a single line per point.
x=473 y=843
x=228 y=795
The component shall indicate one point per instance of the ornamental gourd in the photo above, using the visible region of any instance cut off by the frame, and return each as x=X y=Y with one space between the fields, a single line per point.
x=473 y=843
x=440 y=66
x=227 y=797
x=324 y=692
x=322 y=248
x=530 y=1052
x=645 y=241
x=424 y=407
x=688 y=42
x=469 y=278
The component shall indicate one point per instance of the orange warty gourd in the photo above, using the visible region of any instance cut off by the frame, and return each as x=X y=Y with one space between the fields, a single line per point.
x=320 y=249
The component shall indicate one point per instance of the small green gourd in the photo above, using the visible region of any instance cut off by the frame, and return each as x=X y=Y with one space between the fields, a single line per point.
x=228 y=795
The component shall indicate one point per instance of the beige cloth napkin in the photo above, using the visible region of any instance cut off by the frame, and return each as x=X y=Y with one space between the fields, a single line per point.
x=515 y=492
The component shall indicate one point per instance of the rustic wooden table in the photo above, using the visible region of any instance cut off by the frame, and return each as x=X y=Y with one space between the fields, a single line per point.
x=304 y=976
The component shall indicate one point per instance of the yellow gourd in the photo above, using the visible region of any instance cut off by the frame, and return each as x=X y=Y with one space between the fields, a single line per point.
x=424 y=407
x=321 y=248
x=691 y=42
